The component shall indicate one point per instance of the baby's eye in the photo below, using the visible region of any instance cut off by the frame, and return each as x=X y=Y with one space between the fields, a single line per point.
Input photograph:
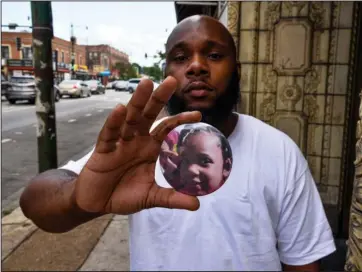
x=205 y=161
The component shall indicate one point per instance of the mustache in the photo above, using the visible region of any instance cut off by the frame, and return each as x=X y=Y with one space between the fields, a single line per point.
x=197 y=85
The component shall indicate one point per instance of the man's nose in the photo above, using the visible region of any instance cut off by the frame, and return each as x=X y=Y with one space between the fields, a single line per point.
x=198 y=67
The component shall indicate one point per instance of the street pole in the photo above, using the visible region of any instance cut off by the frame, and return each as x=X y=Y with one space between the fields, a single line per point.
x=42 y=22
x=72 y=41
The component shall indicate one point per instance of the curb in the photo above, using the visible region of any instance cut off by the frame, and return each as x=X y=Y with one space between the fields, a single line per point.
x=16 y=228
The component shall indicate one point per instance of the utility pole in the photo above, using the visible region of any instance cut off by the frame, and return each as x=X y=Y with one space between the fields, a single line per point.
x=42 y=22
x=72 y=41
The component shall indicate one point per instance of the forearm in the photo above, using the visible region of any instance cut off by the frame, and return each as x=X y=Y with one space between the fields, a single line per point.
x=50 y=203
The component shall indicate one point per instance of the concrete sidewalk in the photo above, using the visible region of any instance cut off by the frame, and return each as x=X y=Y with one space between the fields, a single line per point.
x=101 y=244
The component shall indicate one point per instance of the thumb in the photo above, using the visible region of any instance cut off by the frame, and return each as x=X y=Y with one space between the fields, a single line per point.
x=171 y=199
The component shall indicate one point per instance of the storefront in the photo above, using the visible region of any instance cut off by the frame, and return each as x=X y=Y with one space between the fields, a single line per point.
x=103 y=77
x=81 y=72
x=61 y=73
x=17 y=67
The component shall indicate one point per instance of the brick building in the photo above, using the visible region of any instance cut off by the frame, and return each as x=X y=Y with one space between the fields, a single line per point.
x=101 y=60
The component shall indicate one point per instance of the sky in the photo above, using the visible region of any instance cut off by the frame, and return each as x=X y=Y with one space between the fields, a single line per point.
x=135 y=28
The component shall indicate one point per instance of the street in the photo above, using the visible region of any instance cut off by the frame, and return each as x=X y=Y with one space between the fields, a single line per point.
x=78 y=124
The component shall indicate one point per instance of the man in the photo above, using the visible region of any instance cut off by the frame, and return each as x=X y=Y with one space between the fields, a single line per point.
x=267 y=216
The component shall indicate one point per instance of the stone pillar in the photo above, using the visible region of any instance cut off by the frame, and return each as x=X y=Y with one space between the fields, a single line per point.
x=354 y=253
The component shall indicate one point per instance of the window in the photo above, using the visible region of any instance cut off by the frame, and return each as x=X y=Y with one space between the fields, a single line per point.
x=27 y=53
x=62 y=57
x=5 y=52
x=90 y=55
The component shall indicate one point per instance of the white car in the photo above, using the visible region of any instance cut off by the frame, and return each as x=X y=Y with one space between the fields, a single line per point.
x=74 y=88
x=120 y=85
x=132 y=84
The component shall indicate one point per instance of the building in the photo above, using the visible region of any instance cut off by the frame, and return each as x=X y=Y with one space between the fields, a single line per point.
x=20 y=62
x=101 y=60
x=301 y=66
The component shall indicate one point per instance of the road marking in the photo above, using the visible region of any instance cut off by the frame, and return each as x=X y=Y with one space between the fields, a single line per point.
x=5 y=140
x=100 y=110
x=88 y=114
x=71 y=120
x=18 y=133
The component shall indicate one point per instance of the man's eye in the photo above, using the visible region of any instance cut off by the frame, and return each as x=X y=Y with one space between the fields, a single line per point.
x=215 y=56
x=180 y=58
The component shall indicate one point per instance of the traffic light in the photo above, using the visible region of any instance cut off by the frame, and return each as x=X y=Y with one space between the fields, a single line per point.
x=18 y=43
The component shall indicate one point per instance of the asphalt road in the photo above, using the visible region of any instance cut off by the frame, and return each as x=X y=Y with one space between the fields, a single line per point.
x=79 y=121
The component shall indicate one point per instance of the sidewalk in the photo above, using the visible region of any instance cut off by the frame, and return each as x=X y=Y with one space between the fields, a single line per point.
x=101 y=244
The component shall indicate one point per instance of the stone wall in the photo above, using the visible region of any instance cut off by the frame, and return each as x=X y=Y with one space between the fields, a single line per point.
x=296 y=75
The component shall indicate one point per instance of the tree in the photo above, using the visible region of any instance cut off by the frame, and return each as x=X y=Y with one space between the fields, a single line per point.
x=153 y=72
x=126 y=70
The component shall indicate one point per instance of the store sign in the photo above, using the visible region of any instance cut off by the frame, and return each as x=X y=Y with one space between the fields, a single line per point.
x=62 y=65
x=20 y=63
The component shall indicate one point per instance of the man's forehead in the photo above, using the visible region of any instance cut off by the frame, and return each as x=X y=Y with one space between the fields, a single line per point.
x=198 y=27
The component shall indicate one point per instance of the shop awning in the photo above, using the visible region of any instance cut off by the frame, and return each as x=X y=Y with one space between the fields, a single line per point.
x=105 y=73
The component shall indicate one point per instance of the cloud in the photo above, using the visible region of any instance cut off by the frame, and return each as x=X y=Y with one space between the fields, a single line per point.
x=136 y=44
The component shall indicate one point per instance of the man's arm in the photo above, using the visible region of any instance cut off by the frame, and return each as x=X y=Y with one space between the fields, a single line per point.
x=49 y=202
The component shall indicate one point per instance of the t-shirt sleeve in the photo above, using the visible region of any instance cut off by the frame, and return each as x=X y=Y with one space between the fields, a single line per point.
x=304 y=234
x=77 y=166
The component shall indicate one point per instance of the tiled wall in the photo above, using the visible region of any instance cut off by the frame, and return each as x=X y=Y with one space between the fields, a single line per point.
x=295 y=75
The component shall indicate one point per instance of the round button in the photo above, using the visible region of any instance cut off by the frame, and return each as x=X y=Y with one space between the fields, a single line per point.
x=196 y=159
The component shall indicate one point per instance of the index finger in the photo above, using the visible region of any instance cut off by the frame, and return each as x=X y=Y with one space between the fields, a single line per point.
x=158 y=100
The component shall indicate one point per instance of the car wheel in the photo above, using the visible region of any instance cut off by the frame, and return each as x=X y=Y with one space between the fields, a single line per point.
x=89 y=94
x=57 y=97
x=12 y=101
x=81 y=94
x=130 y=90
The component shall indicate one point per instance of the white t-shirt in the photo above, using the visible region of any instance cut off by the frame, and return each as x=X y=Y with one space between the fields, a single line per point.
x=268 y=211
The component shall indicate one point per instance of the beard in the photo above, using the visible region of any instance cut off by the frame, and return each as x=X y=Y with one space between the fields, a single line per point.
x=220 y=110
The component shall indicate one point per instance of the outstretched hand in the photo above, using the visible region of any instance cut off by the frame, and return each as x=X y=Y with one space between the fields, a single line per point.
x=119 y=177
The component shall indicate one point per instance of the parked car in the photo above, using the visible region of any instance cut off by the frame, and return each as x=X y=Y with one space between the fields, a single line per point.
x=23 y=88
x=132 y=84
x=120 y=85
x=74 y=88
x=95 y=86
x=4 y=85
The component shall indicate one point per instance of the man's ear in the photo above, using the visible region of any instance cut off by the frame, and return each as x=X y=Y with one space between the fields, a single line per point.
x=227 y=168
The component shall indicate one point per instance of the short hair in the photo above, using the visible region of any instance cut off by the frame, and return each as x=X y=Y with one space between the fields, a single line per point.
x=190 y=130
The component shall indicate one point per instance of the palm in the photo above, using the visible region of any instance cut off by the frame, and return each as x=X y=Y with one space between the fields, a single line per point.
x=119 y=176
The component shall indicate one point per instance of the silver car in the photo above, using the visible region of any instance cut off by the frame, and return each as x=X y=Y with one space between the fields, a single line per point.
x=74 y=88
x=23 y=88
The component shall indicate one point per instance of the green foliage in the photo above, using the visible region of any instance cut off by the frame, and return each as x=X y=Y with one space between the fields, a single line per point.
x=126 y=70
x=154 y=72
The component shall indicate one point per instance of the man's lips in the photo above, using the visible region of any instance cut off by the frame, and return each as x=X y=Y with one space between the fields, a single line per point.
x=198 y=93
x=198 y=89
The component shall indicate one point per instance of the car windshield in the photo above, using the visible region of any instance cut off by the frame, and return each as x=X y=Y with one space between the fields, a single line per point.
x=22 y=79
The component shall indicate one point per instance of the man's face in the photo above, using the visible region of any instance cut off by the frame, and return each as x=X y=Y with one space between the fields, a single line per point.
x=201 y=58
x=202 y=164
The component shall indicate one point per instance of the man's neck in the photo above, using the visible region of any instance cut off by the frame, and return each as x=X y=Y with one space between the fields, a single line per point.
x=226 y=125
